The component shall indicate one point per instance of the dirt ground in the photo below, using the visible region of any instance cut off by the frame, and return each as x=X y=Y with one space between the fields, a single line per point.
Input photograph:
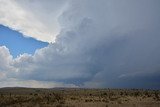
x=62 y=97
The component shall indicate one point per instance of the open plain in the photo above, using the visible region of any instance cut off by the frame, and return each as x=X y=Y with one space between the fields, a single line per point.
x=70 y=97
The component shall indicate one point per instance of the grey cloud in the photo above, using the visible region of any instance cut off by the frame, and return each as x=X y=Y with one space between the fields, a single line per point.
x=105 y=43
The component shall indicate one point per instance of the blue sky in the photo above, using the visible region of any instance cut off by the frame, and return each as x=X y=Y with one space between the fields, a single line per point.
x=17 y=43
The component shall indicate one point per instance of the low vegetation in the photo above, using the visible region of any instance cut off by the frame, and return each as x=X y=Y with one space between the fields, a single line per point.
x=28 y=97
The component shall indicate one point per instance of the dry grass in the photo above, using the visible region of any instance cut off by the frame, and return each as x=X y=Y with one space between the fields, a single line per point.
x=27 y=97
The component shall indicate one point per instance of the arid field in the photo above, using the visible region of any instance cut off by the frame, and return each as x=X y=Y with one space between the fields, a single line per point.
x=63 y=97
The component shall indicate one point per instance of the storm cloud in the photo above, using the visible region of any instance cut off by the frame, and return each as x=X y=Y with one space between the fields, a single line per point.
x=105 y=43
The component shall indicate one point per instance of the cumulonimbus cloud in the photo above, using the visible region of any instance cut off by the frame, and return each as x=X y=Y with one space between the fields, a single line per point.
x=101 y=43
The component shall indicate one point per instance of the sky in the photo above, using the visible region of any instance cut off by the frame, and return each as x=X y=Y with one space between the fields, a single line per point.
x=17 y=43
x=80 y=43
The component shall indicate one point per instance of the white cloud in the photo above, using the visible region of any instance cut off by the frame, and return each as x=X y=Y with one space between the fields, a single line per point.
x=5 y=61
x=5 y=57
x=37 y=19
x=12 y=82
